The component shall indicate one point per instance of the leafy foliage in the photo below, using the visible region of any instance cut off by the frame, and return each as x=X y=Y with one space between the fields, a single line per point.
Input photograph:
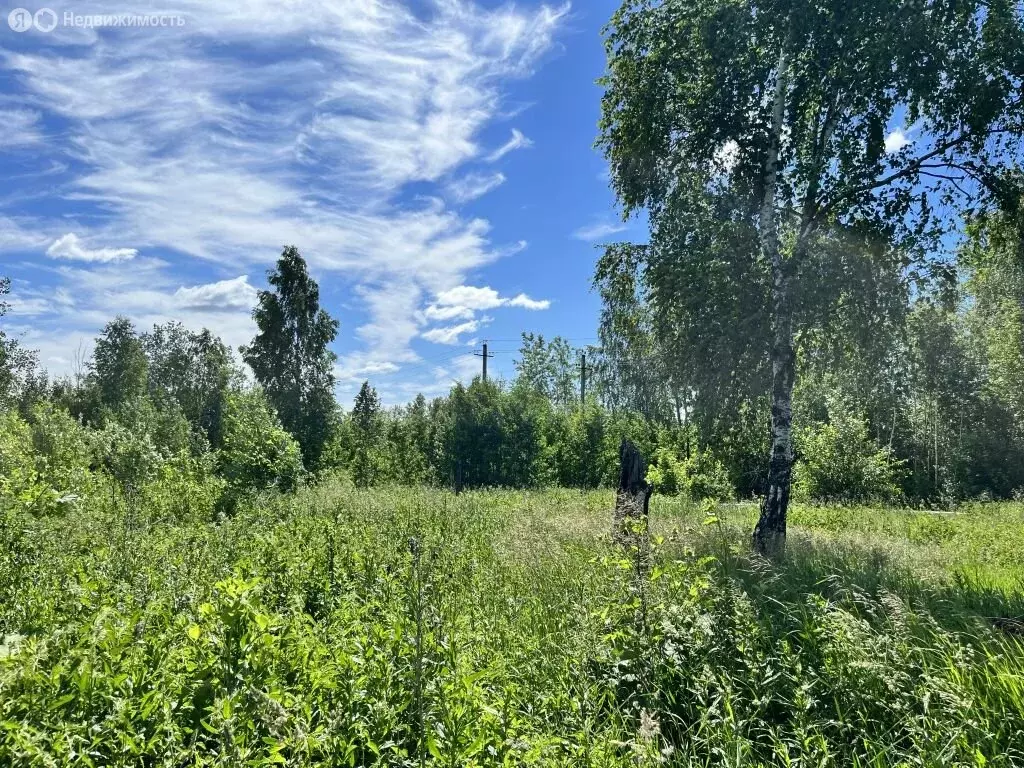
x=257 y=453
x=839 y=462
x=754 y=136
x=119 y=364
x=501 y=629
x=367 y=427
x=195 y=370
x=697 y=477
x=290 y=355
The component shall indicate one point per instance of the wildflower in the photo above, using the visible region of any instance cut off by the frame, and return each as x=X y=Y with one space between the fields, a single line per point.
x=649 y=727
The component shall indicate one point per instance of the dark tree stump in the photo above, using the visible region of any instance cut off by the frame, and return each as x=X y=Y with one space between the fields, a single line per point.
x=458 y=479
x=632 y=502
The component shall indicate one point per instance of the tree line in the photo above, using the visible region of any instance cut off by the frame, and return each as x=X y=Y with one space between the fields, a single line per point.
x=829 y=303
x=172 y=417
x=920 y=404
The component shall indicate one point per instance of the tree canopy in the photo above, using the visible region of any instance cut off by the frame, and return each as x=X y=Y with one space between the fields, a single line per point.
x=797 y=157
x=290 y=356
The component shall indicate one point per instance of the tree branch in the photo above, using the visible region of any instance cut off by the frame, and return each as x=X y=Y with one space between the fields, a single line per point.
x=908 y=170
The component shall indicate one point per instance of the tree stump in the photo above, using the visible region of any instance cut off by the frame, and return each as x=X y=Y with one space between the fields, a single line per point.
x=632 y=502
x=458 y=479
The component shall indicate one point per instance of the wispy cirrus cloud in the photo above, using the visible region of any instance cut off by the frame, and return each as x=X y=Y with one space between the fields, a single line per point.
x=474 y=185
x=598 y=231
x=20 y=128
x=451 y=333
x=19 y=235
x=190 y=145
x=518 y=141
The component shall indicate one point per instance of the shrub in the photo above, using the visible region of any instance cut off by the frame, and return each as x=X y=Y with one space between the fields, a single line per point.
x=581 y=455
x=665 y=474
x=129 y=456
x=20 y=483
x=44 y=464
x=839 y=461
x=257 y=453
x=702 y=476
x=183 y=488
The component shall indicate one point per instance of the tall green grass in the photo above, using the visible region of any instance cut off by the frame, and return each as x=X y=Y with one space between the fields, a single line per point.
x=404 y=627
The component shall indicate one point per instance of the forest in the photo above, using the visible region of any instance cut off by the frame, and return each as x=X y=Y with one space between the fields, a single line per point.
x=914 y=399
x=818 y=350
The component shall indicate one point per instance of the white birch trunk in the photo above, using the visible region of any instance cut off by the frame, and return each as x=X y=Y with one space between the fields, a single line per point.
x=770 y=534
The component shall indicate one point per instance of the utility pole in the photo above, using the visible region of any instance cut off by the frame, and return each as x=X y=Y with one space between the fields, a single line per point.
x=484 y=355
x=583 y=380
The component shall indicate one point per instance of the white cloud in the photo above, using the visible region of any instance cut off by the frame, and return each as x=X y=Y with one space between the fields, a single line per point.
x=474 y=185
x=356 y=374
x=188 y=143
x=896 y=141
x=463 y=302
x=525 y=302
x=15 y=236
x=435 y=312
x=71 y=248
x=20 y=128
x=597 y=231
x=226 y=294
x=451 y=334
x=472 y=298
x=518 y=141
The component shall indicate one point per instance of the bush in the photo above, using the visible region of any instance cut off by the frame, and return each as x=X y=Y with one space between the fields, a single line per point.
x=44 y=464
x=839 y=461
x=702 y=476
x=159 y=463
x=665 y=474
x=183 y=488
x=129 y=456
x=257 y=453
x=20 y=484
x=581 y=455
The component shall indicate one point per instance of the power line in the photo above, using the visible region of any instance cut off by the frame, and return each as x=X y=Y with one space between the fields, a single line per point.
x=485 y=355
x=563 y=338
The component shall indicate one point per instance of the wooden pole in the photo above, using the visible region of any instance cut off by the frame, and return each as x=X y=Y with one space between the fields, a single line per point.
x=583 y=381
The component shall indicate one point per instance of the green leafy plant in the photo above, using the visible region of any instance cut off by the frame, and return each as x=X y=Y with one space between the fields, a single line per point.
x=839 y=462
x=699 y=477
x=257 y=454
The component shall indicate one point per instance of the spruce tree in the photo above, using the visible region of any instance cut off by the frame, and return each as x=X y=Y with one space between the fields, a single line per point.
x=366 y=425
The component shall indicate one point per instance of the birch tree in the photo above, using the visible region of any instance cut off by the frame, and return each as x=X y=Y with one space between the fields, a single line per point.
x=882 y=118
x=290 y=354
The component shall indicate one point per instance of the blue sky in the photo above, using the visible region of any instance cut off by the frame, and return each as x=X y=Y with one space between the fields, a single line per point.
x=433 y=161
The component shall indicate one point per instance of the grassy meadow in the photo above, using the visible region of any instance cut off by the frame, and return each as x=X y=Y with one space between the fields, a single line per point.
x=410 y=627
